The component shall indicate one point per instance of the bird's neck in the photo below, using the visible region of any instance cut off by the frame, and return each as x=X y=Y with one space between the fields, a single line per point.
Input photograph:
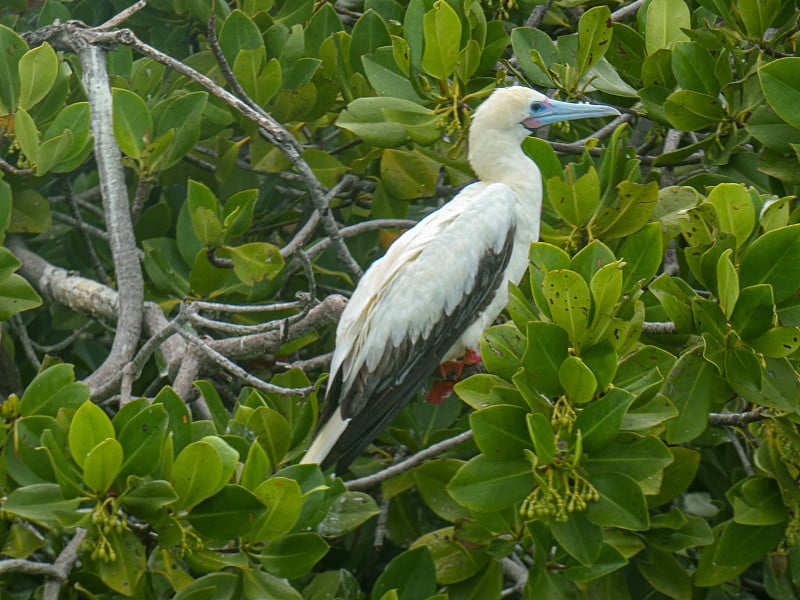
x=498 y=160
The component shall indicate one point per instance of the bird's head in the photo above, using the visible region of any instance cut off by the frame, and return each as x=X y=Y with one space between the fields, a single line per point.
x=521 y=110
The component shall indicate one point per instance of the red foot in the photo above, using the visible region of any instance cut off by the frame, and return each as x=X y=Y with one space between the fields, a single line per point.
x=457 y=366
x=439 y=391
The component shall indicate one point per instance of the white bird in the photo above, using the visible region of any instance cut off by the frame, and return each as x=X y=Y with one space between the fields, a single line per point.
x=443 y=281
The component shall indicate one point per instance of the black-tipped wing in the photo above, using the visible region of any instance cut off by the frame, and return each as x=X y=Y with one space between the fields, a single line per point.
x=378 y=393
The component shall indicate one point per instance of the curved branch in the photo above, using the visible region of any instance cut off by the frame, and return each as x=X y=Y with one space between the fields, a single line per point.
x=370 y=481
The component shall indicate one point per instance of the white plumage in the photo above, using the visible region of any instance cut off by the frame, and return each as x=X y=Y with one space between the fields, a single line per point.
x=442 y=282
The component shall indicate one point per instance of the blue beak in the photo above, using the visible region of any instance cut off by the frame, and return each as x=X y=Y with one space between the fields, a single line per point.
x=553 y=111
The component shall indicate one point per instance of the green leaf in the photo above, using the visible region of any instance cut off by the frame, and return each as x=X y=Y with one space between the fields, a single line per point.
x=369 y=33
x=758 y=16
x=594 y=35
x=90 y=426
x=196 y=474
x=694 y=68
x=544 y=258
x=454 y=560
x=629 y=212
x=412 y=574
x=570 y=301
x=778 y=342
x=526 y=41
x=692 y=385
x=579 y=537
x=45 y=394
x=408 y=175
x=678 y=475
x=123 y=574
x=348 y=513
x=690 y=111
x=431 y=479
x=326 y=167
x=664 y=24
x=735 y=211
x=577 y=379
x=500 y=431
x=754 y=314
x=141 y=439
x=147 y=497
x=204 y=210
x=727 y=283
x=541 y=433
x=256 y=262
x=442 y=30
x=185 y=110
x=27 y=136
x=228 y=514
x=487 y=484
x=773 y=258
x=43 y=503
x=600 y=421
x=366 y=118
x=272 y=430
x=284 y=498
x=642 y=458
x=133 y=124
x=238 y=33
x=102 y=464
x=621 y=504
x=502 y=347
x=294 y=555
x=38 y=69
x=780 y=82
x=12 y=48
x=743 y=373
x=576 y=201
x=666 y=574
x=757 y=500
x=547 y=347
x=642 y=253
x=17 y=295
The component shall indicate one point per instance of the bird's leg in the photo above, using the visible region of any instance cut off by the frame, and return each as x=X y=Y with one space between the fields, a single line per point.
x=471 y=357
x=442 y=389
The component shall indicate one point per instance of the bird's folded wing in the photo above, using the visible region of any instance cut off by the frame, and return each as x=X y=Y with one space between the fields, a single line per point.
x=412 y=306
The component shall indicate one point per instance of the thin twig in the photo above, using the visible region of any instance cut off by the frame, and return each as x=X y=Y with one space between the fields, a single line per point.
x=370 y=481
x=659 y=328
x=626 y=11
x=9 y=168
x=81 y=226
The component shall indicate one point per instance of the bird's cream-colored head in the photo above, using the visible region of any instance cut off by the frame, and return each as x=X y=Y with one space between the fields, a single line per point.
x=508 y=116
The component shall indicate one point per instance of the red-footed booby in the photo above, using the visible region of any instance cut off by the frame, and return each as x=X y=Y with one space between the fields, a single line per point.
x=442 y=282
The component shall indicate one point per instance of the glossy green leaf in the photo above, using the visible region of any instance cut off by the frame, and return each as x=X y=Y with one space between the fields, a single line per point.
x=27 y=136
x=577 y=379
x=774 y=258
x=579 y=537
x=442 y=29
x=754 y=314
x=780 y=82
x=369 y=33
x=693 y=66
x=12 y=48
x=408 y=175
x=575 y=201
x=500 y=430
x=541 y=433
x=487 y=484
x=735 y=210
x=629 y=212
x=90 y=426
x=348 y=513
x=284 y=500
x=692 y=385
x=547 y=347
x=621 y=504
x=133 y=124
x=256 y=262
x=727 y=283
x=412 y=574
x=238 y=33
x=141 y=439
x=43 y=503
x=196 y=474
x=37 y=75
x=146 y=497
x=665 y=20
x=431 y=479
x=600 y=421
x=294 y=555
x=454 y=561
x=570 y=301
x=102 y=464
x=594 y=35
x=502 y=347
x=690 y=111
x=228 y=514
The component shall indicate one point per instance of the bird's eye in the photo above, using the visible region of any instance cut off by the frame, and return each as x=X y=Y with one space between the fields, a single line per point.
x=536 y=106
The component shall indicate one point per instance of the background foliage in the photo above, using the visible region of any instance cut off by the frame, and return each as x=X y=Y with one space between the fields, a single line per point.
x=635 y=431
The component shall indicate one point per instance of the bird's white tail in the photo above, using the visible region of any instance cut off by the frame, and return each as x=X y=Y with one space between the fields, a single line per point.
x=326 y=438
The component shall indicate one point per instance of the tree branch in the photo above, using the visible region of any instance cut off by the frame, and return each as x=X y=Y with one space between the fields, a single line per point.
x=370 y=481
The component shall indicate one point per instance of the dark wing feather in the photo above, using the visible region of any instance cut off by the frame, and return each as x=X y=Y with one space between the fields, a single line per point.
x=376 y=396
